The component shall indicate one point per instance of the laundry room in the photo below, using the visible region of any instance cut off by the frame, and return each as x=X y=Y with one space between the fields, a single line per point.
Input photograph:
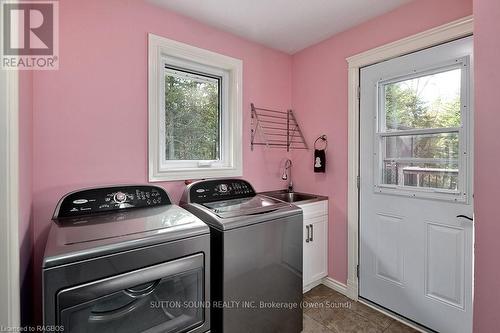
x=249 y=166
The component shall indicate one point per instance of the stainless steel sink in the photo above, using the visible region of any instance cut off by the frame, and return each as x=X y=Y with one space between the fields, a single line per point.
x=293 y=197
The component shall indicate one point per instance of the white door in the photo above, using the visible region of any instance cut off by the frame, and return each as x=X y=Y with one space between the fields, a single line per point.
x=415 y=182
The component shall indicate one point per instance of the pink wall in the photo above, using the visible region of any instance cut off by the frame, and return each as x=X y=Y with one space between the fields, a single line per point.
x=90 y=116
x=319 y=95
x=487 y=159
x=25 y=190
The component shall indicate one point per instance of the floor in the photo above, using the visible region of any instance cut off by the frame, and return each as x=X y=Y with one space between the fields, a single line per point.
x=327 y=311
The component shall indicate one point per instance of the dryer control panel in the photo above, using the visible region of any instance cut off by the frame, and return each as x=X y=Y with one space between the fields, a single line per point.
x=219 y=189
x=109 y=199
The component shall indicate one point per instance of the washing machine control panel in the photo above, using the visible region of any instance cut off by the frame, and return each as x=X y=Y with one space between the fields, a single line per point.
x=220 y=189
x=108 y=199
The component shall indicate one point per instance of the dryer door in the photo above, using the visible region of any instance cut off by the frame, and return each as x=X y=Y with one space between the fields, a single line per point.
x=168 y=297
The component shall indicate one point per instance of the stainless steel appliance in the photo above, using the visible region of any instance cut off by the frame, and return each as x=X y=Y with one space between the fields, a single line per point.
x=256 y=248
x=125 y=259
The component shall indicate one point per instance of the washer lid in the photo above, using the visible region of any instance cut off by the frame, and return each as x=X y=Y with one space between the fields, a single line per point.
x=244 y=206
x=96 y=235
x=98 y=227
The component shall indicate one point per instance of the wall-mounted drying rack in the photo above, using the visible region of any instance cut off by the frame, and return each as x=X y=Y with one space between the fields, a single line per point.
x=276 y=129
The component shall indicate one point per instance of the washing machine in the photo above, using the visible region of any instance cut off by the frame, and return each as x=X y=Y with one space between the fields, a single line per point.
x=256 y=251
x=125 y=259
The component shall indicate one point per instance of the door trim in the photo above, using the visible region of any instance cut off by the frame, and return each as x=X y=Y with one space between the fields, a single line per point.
x=9 y=200
x=454 y=30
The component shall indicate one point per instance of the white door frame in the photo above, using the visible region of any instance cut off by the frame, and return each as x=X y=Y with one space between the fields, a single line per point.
x=9 y=199
x=447 y=32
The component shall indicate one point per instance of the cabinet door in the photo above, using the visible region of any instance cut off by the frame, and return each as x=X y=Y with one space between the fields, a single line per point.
x=315 y=250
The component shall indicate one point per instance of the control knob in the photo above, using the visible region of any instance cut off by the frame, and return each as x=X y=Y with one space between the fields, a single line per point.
x=120 y=197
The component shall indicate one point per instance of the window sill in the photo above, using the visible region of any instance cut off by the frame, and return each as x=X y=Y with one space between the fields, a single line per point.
x=195 y=173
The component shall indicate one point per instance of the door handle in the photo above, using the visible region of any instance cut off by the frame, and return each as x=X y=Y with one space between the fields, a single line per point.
x=312 y=232
x=307 y=237
x=141 y=292
x=466 y=217
x=117 y=313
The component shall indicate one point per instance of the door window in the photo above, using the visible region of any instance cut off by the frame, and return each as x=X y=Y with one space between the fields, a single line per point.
x=420 y=133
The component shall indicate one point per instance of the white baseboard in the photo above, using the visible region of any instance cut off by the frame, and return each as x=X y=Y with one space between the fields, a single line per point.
x=312 y=285
x=335 y=285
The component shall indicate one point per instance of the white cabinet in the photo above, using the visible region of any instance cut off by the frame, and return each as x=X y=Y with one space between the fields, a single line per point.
x=315 y=254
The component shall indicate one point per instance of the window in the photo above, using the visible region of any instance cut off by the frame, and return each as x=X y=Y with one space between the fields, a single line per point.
x=421 y=130
x=192 y=101
x=194 y=112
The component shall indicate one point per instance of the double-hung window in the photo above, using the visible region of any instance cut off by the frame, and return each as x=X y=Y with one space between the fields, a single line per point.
x=422 y=121
x=194 y=112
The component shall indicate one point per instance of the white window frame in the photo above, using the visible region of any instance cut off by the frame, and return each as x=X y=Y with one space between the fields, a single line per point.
x=163 y=52
x=461 y=194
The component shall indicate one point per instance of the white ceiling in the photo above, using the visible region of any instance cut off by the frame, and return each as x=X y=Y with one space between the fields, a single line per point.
x=286 y=25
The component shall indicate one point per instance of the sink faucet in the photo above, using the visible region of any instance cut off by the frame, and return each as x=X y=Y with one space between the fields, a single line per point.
x=287 y=174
